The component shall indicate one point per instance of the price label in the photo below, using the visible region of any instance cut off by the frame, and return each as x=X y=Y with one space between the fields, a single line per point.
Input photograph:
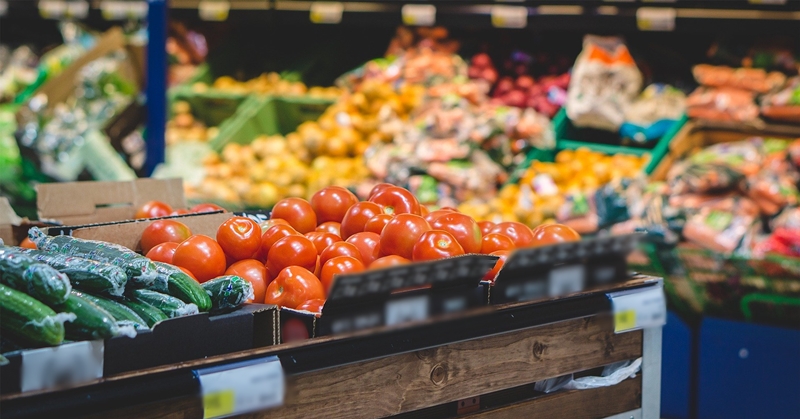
x=419 y=14
x=214 y=10
x=61 y=366
x=241 y=388
x=509 y=16
x=566 y=280
x=778 y=2
x=655 y=18
x=638 y=309
x=329 y=12
x=3 y=7
x=118 y=10
x=406 y=310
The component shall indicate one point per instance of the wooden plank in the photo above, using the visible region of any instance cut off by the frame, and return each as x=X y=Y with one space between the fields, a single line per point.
x=575 y=404
x=177 y=408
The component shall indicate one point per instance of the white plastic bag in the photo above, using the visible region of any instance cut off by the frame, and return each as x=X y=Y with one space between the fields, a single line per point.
x=612 y=374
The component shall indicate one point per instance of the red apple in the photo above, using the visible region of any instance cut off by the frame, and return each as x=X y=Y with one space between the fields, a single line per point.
x=525 y=82
x=504 y=86
x=481 y=60
x=489 y=74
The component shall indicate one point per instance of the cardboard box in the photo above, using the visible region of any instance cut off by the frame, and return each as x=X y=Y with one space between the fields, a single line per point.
x=392 y=296
x=13 y=228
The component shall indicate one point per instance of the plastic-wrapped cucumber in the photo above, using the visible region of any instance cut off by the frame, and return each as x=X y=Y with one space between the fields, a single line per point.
x=40 y=281
x=138 y=268
x=120 y=312
x=91 y=321
x=171 y=306
x=228 y=292
x=85 y=274
x=29 y=320
x=150 y=314
x=182 y=286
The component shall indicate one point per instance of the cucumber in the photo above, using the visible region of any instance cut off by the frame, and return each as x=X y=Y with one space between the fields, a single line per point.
x=119 y=311
x=228 y=292
x=150 y=314
x=28 y=319
x=85 y=274
x=92 y=322
x=24 y=273
x=138 y=268
x=171 y=306
x=183 y=287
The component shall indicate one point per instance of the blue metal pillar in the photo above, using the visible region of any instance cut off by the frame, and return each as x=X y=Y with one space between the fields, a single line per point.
x=156 y=82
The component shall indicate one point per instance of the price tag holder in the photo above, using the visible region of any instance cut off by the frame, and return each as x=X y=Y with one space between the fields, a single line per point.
x=656 y=19
x=59 y=9
x=638 y=309
x=329 y=12
x=214 y=10
x=241 y=388
x=119 y=10
x=61 y=366
x=509 y=16
x=419 y=14
x=771 y=2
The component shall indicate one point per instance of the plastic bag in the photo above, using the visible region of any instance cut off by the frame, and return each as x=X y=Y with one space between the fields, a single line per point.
x=612 y=374
x=750 y=79
x=783 y=105
x=653 y=113
x=722 y=104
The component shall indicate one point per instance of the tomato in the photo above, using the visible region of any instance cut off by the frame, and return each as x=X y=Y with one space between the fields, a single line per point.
x=294 y=286
x=339 y=249
x=493 y=242
x=377 y=223
x=336 y=266
x=253 y=272
x=554 y=233
x=332 y=203
x=153 y=209
x=379 y=187
x=396 y=200
x=434 y=215
x=239 y=237
x=294 y=330
x=368 y=245
x=187 y=272
x=202 y=256
x=27 y=244
x=491 y=275
x=265 y=225
x=436 y=244
x=317 y=268
x=314 y=306
x=330 y=227
x=401 y=234
x=272 y=235
x=463 y=227
x=206 y=207
x=322 y=240
x=292 y=250
x=387 y=261
x=423 y=211
x=163 y=252
x=180 y=211
x=162 y=231
x=486 y=226
x=357 y=217
x=519 y=233
x=297 y=212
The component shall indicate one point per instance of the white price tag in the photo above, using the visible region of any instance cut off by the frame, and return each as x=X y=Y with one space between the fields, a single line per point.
x=565 y=280
x=406 y=310
x=65 y=365
x=214 y=10
x=778 y=2
x=3 y=7
x=509 y=16
x=638 y=309
x=419 y=14
x=326 y=12
x=655 y=18
x=242 y=388
x=118 y=10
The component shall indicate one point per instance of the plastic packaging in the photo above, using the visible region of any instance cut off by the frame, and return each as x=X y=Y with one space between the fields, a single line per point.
x=85 y=274
x=612 y=374
x=40 y=281
x=228 y=292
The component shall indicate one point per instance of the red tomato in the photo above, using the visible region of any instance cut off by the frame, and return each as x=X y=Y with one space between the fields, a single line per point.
x=330 y=227
x=339 y=249
x=401 y=234
x=396 y=200
x=554 y=233
x=202 y=256
x=163 y=252
x=465 y=230
x=423 y=211
x=317 y=268
x=206 y=207
x=322 y=240
x=239 y=237
x=265 y=225
x=336 y=266
x=519 y=233
x=436 y=244
x=153 y=209
x=377 y=223
x=332 y=203
x=294 y=286
x=491 y=275
x=292 y=250
x=162 y=231
x=314 y=306
x=187 y=272
x=272 y=235
x=493 y=242
x=379 y=187
x=368 y=245
x=486 y=226
x=434 y=215
x=387 y=261
x=27 y=244
x=297 y=212
x=180 y=211
x=253 y=272
x=357 y=217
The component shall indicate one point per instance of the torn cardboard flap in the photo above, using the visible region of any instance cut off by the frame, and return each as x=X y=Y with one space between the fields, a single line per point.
x=8 y=219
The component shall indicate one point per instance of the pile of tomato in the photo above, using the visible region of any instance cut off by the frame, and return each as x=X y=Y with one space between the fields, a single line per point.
x=293 y=259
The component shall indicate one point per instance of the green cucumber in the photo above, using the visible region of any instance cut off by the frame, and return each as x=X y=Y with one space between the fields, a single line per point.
x=138 y=268
x=24 y=273
x=228 y=292
x=27 y=319
x=171 y=306
x=92 y=322
x=119 y=311
x=85 y=274
x=150 y=314
x=182 y=286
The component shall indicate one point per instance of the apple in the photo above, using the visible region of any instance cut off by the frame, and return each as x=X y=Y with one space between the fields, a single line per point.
x=489 y=74
x=504 y=86
x=525 y=82
x=515 y=98
x=482 y=60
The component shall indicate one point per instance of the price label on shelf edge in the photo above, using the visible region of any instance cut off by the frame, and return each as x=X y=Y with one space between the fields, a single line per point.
x=655 y=19
x=118 y=10
x=509 y=16
x=638 y=309
x=64 y=365
x=241 y=388
x=329 y=12
x=60 y=9
x=419 y=14
x=214 y=10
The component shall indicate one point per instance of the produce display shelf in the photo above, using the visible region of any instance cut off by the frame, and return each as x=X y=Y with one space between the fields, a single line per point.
x=490 y=358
